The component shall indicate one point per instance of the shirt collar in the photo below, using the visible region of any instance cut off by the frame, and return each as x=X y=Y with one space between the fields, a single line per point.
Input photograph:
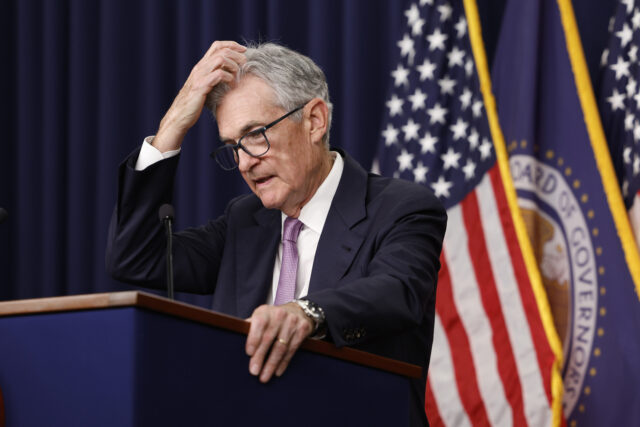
x=314 y=213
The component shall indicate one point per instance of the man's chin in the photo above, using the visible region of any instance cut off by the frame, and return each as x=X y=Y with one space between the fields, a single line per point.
x=268 y=201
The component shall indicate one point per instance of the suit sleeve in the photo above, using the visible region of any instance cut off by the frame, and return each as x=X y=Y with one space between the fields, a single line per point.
x=136 y=241
x=392 y=290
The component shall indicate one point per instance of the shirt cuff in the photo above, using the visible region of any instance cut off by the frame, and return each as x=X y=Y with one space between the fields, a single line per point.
x=150 y=154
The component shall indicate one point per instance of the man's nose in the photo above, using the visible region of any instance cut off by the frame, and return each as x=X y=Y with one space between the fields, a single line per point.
x=245 y=161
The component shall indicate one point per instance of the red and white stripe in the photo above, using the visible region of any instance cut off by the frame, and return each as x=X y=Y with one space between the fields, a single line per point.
x=491 y=361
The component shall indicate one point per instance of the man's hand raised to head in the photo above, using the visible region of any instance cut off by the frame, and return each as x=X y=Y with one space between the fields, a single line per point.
x=220 y=64
x=280 y=329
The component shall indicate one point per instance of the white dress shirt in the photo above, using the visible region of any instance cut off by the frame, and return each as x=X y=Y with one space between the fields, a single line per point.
x=312 y=215
x=150 y=154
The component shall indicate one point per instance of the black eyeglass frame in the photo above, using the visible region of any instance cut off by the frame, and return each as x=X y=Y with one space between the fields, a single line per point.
x=238 y=145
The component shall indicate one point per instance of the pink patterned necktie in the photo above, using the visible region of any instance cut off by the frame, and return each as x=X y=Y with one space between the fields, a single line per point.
x=289 y=267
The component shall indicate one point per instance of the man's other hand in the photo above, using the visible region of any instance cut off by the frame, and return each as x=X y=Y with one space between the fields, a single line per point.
x=276 y=332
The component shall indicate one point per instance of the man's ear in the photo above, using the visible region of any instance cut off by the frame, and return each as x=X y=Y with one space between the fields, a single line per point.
x=317 y=113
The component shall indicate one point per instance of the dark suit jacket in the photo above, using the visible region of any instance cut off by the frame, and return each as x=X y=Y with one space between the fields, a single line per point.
x=374 y=272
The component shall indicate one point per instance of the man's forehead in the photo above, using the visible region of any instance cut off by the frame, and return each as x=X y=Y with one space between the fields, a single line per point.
x=249 y=104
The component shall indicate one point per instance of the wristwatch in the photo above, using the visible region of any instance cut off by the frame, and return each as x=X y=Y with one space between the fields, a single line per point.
x=314 y=312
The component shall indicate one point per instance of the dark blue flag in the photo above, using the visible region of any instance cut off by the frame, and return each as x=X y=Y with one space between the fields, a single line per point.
x=573 y=208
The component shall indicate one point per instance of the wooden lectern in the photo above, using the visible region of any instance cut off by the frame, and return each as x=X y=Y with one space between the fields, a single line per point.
x=135 y=359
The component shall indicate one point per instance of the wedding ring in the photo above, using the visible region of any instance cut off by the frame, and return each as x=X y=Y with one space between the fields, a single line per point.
x=281 y=341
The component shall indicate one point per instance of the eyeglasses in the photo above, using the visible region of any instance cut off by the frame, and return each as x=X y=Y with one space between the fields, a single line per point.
x=254 y=143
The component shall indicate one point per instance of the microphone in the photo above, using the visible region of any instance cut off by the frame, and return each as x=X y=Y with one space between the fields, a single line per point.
x=3 y=215
x=166 y=216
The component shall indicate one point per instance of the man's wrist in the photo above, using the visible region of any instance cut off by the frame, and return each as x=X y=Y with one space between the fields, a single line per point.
x=316 y=314
x=168 y=138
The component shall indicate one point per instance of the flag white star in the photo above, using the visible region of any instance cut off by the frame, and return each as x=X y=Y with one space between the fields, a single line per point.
x=633 y=53
x=635 y=21
x=477 y=108
x=436 y=114
x=420 y=173
x=441 y=187
x=612 y=21
x=626 y=155
x=636 y=165
x=459 y=129
x=631 y=87
x=412 y=14
x=469 y=170
x=436 y=40
x=446 y=85
x=423 y=2
x=375 y=167
x=416 y=27
x=474 y=139
x=426 y=70
x=395 y=105
x=485 y=149
x=604 y=58
x=404 y=160
x=621 y=67
x=417 y=99
x=468 y=67
x=625 y=188
x=616 y=100
x=456 y=57
x=465 y=98
x=625 y=35
x=461 y=27
x=428 y=143
x=406 y=48
x=628 y=121
x=450 y=159
x=410 y=130
x=636 y=98
x=390 y=135
x=400 y=75
x=445 y=12
x=629 y=4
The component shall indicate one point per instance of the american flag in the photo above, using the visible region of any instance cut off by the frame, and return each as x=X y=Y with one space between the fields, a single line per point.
x=619 y=103
x=491 y=362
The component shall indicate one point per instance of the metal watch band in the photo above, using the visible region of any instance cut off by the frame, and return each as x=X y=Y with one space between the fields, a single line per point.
x=315 y=313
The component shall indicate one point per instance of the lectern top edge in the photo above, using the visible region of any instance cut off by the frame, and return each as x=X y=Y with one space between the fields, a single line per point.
x=193 y=313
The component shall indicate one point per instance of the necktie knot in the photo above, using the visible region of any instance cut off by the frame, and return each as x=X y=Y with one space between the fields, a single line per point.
x=291 y=230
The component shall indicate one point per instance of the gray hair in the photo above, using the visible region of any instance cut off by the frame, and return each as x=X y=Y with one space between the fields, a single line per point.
x=294 y=78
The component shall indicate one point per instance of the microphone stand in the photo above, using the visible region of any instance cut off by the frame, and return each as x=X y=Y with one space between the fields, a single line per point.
x=166 y=216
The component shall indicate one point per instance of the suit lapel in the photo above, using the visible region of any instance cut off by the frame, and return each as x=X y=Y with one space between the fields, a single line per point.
x=339 y=243
x=340 y=239
x=255 y=254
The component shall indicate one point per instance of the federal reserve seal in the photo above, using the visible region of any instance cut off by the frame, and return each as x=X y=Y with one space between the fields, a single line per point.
x=563 y=247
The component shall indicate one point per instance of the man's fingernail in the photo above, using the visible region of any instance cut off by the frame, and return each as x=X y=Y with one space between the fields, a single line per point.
x=254 y=369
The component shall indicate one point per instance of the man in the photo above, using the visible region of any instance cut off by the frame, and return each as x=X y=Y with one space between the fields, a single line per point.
x=320 y=249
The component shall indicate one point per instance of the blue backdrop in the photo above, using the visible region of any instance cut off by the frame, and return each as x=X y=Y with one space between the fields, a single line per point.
x=83 y=82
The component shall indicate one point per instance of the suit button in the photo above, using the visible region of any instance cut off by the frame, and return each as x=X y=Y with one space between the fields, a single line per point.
x=350 y=335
